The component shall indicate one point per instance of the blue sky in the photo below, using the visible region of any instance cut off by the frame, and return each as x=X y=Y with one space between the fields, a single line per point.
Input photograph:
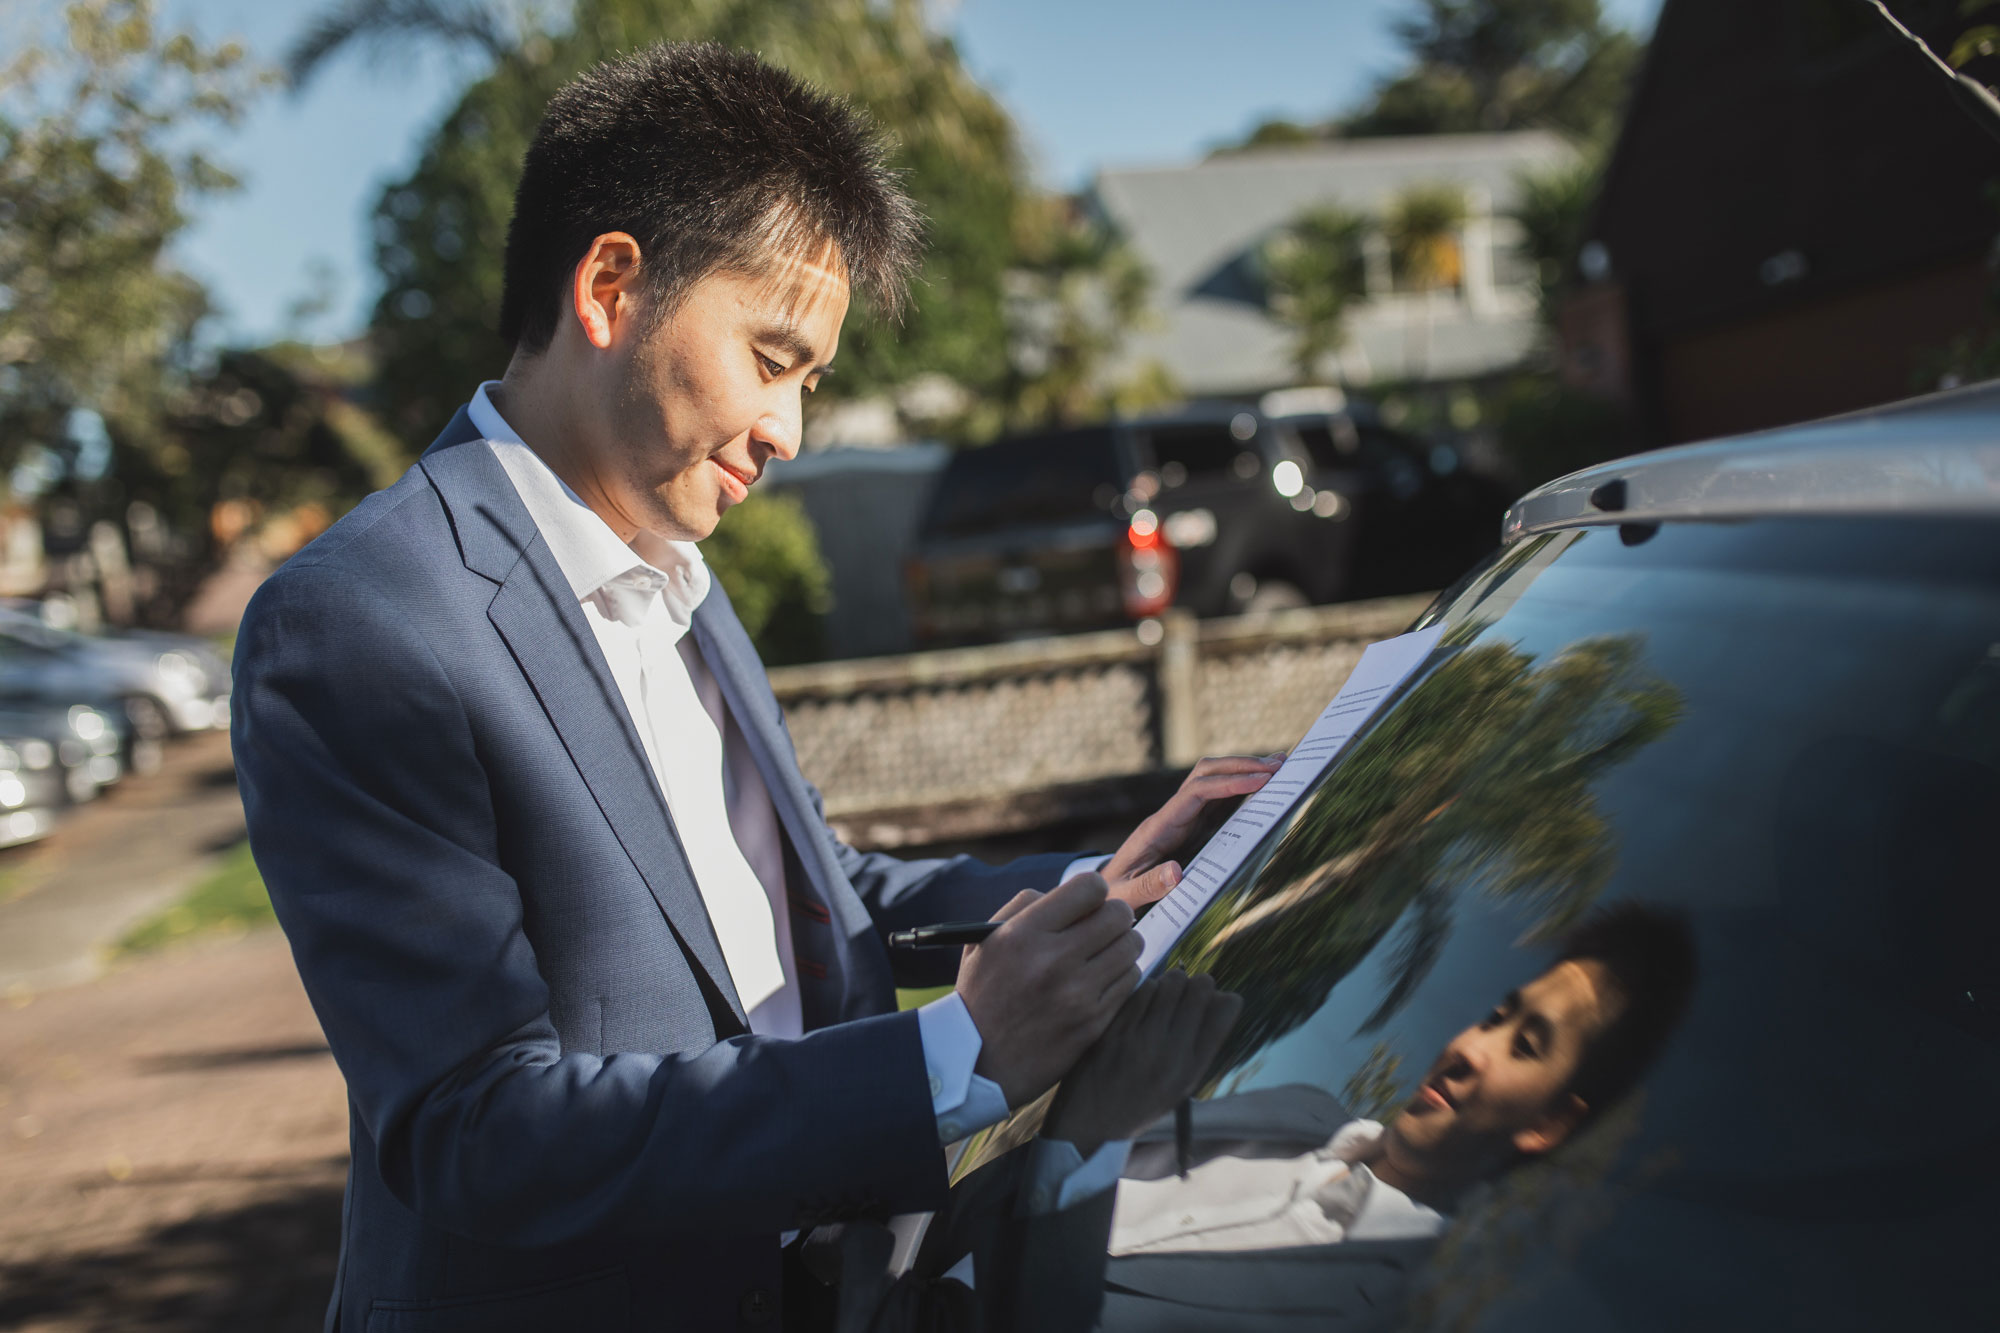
x=1093 y=83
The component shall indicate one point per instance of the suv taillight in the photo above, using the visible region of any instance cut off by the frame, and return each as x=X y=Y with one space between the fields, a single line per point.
x=1148 y=567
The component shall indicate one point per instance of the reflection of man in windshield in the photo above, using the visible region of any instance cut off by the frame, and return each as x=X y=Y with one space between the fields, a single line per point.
x=1550 y=1055
x=1027 y=1239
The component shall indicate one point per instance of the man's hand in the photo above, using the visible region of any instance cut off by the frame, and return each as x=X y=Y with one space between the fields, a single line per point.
x=1152 y=1056
x=1140 y=872
x=1046 y=984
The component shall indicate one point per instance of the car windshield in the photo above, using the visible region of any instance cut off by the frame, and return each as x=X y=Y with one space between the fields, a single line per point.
x=1768 y=749
x=1029 y=479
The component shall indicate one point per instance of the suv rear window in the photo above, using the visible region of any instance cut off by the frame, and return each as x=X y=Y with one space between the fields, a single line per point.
x=1205 y=449
x=1027 y=479
x=1783 y=734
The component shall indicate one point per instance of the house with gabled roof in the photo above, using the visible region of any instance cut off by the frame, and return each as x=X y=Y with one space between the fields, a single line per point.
x=1201 y=228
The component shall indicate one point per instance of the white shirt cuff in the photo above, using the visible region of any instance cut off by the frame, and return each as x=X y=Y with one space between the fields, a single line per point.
x=962 y=1101
x=1083 y=864
x=1058 y=1177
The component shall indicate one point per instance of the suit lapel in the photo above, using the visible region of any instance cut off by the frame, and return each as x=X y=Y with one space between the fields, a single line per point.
x=732 y=659
x=537 y=616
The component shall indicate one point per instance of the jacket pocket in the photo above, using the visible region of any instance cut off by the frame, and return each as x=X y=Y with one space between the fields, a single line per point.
x=595 y=1301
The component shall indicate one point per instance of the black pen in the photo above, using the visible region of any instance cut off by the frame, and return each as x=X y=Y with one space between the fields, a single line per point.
x=944 y=935
x=1184 y=1136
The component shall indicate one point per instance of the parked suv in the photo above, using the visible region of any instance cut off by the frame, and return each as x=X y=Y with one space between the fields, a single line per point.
x=1721 y=726
x=1208 y=508
x=1421 y=513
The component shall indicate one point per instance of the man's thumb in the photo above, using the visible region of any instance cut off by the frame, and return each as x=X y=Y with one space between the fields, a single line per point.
x=1154 y=885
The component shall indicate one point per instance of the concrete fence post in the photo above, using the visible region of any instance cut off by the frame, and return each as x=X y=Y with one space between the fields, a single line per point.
x=1180 y=724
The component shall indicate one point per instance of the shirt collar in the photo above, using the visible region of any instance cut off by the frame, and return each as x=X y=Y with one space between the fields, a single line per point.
x=1366 y=1207
x=587 y=551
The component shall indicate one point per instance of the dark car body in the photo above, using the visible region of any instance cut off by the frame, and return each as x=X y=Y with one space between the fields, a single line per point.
x=165 y=684
x=1422 y=516
x=32 y=789
x=88 y=745
x=1754 y=685
x=1101 y=526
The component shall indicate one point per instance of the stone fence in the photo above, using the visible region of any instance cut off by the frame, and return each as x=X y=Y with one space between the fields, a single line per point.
x=972 y=742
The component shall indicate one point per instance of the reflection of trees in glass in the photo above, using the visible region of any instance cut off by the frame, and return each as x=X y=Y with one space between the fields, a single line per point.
x=1373 y=1090
x=1480 y=777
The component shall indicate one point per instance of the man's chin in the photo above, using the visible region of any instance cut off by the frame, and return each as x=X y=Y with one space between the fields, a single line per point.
x=1413 y=1127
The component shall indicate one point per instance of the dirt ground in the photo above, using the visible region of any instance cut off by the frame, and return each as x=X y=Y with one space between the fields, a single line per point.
x=172 y=1146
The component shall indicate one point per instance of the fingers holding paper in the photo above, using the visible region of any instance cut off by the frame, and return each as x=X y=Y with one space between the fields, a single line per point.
x=1139 y=872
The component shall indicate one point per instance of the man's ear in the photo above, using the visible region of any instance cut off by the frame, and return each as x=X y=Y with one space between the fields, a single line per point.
x=603 y=287
x=1555 y=1125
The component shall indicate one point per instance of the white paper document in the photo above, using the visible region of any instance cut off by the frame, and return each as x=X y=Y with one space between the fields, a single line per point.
x=1383 y=667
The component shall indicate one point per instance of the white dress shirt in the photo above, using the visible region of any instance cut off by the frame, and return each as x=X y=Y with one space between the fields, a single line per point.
x=1322 y=1197
x=639 y=601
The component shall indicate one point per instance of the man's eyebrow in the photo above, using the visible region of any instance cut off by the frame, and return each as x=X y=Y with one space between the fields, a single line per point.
x=790 y=341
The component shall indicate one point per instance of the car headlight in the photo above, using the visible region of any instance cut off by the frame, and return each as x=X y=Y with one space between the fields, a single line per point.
x=181 y=672
x=86 y=722
x=1288 y=478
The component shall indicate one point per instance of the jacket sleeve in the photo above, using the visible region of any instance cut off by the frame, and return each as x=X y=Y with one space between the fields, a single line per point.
x=372 y=821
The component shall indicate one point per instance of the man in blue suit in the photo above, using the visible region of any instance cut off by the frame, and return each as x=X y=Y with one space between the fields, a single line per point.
x=612 y=1002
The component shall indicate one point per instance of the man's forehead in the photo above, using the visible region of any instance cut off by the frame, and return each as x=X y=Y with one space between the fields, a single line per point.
x=1573 y=995
x=797 y=282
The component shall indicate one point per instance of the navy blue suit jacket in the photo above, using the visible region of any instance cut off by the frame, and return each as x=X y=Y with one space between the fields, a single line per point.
x=557 y=1117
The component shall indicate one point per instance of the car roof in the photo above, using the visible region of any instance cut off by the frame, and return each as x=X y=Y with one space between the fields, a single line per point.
x=1939 y=454
x=1200 y=411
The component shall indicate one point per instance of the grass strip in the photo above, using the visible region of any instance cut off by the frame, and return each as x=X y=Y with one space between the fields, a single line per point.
x=230 y=901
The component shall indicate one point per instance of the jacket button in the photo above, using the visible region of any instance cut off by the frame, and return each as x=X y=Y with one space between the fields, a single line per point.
x=757 y=1307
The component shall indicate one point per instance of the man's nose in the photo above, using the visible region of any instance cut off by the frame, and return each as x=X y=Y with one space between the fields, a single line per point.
x=1466 y=1052
x=780 y=430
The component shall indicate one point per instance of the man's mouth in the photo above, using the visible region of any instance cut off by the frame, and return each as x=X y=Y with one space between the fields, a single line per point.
x=736 y=483
x=1434 y=1095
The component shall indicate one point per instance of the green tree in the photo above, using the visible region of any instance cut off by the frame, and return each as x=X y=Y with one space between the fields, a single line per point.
x=1275 y=133
x=767 y=558
x=1073 y=293
x=1482 y=777
x=265 y=446
x=1423 y=226
x=99 y=162
x=1553 y=209
x=1314 y=273
x=1504 y=65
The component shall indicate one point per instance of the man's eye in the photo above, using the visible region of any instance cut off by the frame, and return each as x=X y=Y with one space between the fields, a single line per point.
x=770 y=367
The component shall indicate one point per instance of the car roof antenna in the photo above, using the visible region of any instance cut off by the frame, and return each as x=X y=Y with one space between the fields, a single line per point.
x=1977 y=99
